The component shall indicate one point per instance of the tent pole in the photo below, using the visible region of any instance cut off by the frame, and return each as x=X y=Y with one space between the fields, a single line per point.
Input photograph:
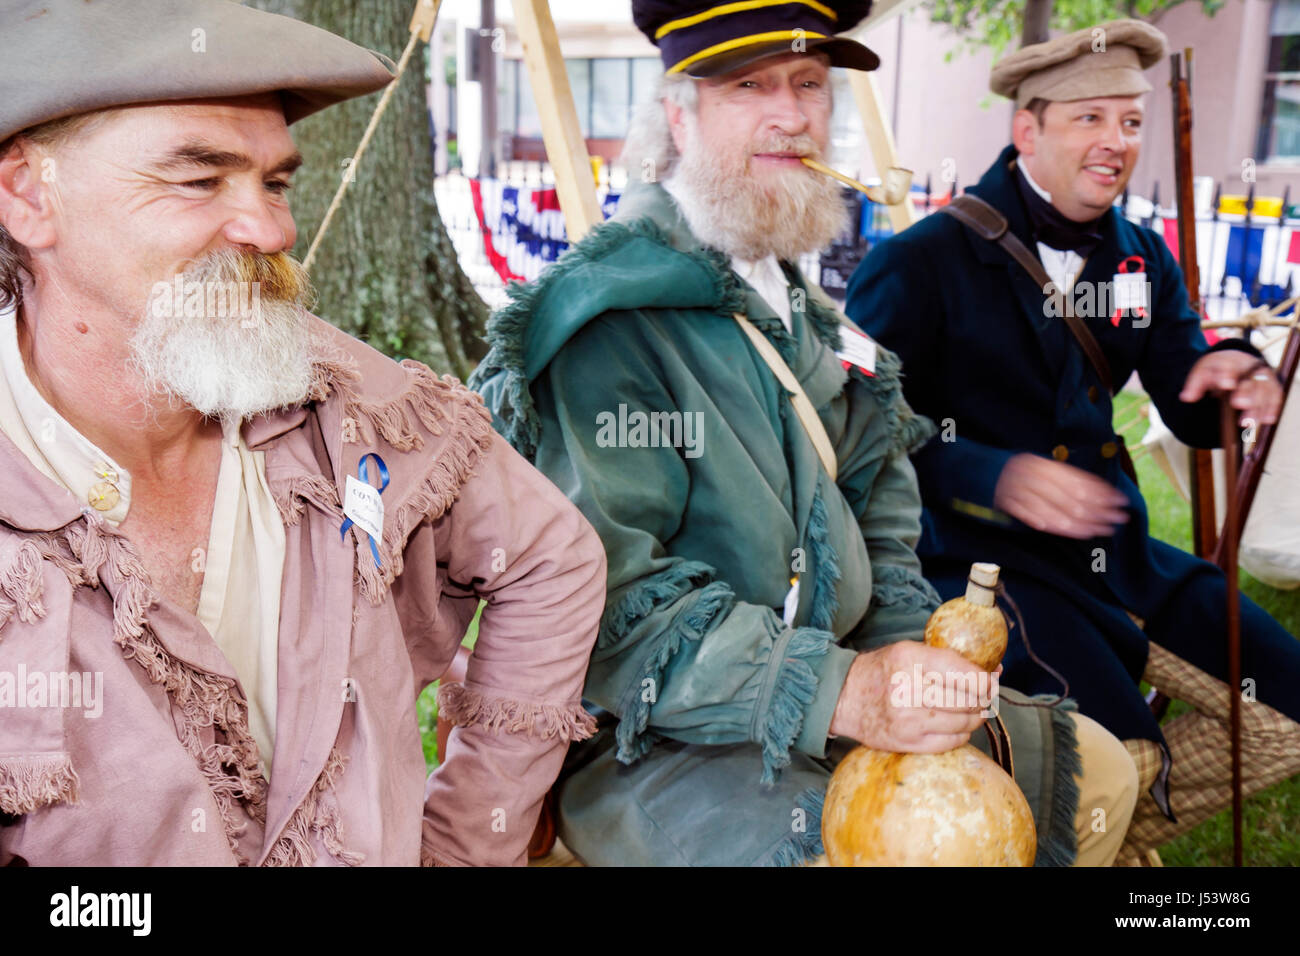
x=881 y=142
x=561 y=132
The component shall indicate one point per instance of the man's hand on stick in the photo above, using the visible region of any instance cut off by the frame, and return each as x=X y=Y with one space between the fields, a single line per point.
x=1250 y=381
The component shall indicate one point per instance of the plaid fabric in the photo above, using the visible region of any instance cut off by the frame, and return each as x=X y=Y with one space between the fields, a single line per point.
x=1200 y=783
x=1146 y=756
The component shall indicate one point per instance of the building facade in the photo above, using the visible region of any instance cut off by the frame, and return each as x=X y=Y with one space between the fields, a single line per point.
x=934 y=89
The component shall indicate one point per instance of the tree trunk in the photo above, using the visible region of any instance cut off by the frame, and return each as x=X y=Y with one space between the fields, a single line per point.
x=1038 y=18
x=386 y=271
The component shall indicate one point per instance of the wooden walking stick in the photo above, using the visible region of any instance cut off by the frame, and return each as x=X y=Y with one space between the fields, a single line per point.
x=1252 y=466
x=1202 y=471
x=1228 y=545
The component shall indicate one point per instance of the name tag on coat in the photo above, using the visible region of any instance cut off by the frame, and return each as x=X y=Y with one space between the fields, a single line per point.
x=857 y=350
x=363 y=505
x=1129 y=287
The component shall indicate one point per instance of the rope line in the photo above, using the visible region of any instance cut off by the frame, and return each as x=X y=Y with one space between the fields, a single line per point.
x=361 y=148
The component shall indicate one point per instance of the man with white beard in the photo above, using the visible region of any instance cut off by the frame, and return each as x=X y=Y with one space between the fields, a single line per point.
x=763 y=590
x=263 y=535
x=243 y=349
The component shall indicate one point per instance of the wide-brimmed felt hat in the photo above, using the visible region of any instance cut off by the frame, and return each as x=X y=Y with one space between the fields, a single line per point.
x=1105 y=60
x=59 y=58
x=702 y=38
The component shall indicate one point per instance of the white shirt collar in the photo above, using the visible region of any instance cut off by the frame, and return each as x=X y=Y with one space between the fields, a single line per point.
x=1032 y=184
x=767 y=279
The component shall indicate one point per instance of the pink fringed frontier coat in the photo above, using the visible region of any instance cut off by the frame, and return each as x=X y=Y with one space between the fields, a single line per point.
x=167 y=772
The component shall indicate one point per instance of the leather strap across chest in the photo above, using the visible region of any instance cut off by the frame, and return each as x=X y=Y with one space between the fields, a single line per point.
x=803 y=405
x=988 y=223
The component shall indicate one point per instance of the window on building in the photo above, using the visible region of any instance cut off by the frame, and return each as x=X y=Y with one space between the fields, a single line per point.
x=580 y=84
x=605 y=90
x=521 y=118
x=646 y=71
x=1279 y=129
x=611 y=97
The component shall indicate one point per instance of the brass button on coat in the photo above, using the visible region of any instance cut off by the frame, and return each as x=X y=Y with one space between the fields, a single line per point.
x=1093 y=394
x=103 y=496
x=1060 y=453
x=1109 y=450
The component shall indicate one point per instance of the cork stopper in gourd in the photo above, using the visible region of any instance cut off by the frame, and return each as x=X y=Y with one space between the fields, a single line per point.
x=972 y=625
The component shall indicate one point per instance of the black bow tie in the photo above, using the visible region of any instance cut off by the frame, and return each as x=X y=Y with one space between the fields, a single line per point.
x=1052 y=228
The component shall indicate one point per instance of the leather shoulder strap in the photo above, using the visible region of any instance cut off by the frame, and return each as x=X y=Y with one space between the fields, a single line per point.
x=984 y=220
x=987 y=223
x=803 y=405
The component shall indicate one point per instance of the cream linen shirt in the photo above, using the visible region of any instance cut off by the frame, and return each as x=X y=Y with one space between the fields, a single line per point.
x=768 y=281
x=242 y=565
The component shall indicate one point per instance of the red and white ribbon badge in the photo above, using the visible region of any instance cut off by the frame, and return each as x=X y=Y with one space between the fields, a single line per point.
x=1130 y=289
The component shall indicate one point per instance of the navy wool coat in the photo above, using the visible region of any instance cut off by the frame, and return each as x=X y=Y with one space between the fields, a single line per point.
x=1000 y=374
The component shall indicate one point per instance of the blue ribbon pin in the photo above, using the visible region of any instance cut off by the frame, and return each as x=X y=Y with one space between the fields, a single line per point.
x=363 y=474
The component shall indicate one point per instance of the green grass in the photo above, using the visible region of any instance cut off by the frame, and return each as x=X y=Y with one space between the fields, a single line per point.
x=1269 y=823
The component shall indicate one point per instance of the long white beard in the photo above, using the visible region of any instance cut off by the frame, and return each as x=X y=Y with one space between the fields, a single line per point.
x=727 y=208
x=226 y=363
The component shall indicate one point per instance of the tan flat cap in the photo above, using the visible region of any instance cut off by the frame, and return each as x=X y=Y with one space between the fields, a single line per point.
x=1105 y=60
x=63 y=57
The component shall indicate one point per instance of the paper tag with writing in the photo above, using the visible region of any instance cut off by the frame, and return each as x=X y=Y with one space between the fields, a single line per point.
x=365 y=507
x=1130 y=291
x=858 y=350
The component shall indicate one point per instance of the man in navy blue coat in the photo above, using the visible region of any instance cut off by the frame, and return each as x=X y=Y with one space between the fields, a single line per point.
x=1026 y=471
